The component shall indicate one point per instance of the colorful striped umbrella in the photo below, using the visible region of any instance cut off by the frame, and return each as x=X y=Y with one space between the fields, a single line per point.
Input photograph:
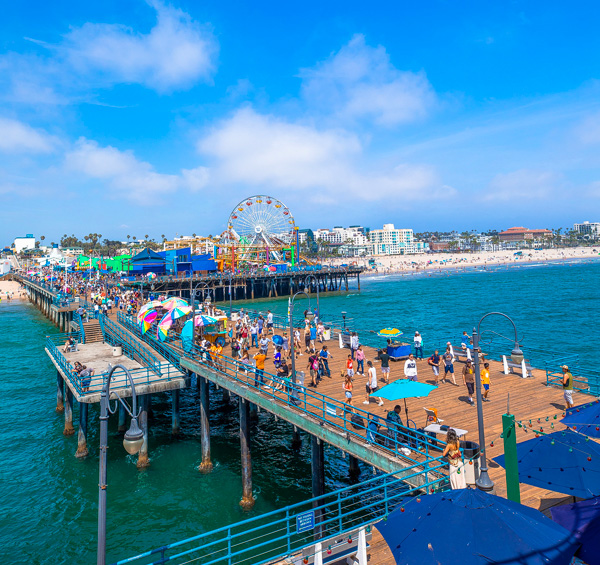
x=163 y=326
x=174 y=302
x=200 y=320
x=147 y=319
x=152 y=305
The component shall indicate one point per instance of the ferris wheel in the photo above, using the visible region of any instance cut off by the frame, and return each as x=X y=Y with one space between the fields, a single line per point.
x=262 y=222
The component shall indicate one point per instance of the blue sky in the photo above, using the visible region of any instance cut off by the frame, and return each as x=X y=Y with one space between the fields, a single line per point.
x=133 y=117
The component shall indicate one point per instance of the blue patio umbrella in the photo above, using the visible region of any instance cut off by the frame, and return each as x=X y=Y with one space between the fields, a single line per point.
x=278 y=340
x=582 y=519
x=403 y=388
x=565 y=462
x=471 y=527
x=584 y=418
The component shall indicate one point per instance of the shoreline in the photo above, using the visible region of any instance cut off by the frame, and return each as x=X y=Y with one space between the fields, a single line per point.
x=15 y=290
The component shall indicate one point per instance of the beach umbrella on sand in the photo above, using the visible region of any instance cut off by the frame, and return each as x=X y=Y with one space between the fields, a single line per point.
x=582 y=519
x=565 y=462
x=489 y=529
x=174 y=302
x=403 y=389
x=389 y=332
x=584 y=418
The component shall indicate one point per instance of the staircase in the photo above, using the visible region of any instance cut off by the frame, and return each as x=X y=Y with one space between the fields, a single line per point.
x=93 y=331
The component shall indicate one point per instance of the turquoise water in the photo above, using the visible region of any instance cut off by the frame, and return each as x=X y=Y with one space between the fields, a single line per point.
x=49 y=498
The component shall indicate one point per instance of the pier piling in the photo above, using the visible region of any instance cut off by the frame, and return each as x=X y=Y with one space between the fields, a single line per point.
x=247 y=501
x=60 y=406
x=69 y=430
x=175 y=416
x=296 y=440
x=318 y=478
x=353 y=467
x=82 y=450
x=122 y=419
x=206 y=465
x=143 y=460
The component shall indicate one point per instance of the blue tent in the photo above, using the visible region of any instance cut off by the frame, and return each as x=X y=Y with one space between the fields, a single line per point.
x=582 y=519
x=471 y=527
x=564 y=462
x=584 y=418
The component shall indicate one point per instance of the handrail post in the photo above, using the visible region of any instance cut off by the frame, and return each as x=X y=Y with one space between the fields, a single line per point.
x=340 y=520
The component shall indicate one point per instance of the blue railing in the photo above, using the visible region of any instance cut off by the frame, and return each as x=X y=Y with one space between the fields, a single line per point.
x=585 y=380
x=115 y=335
x=77 y=319
x=394 y=439
x=141 y=376
x=279 y=534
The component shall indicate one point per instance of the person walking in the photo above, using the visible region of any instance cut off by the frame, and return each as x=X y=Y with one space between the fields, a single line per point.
x=449 y=365
x=567 y=382
x=313 y=366
x=353 y=344
x=434 y=363
x=485 y=381
x=410 y=368
x=347 y=386
x=418 y=346
x=259 y=358
x=372 y=384
x=349 y=366
x=458 y=479
x=469 y=379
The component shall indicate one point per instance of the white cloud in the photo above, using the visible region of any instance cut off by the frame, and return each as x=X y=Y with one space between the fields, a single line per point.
x=360 y=83
x=126 y=175
x=588 y=130
x=266 y=151
x=176 y=53
x=17 y=137
x=521 y=185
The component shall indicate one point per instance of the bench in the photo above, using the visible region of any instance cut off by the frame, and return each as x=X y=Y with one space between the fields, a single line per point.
x=336 y=549
x=510 y=365
x=345 y=340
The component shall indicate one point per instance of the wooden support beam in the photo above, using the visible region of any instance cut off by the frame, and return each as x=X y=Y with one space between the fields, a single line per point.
x=143 y=459
x=82 y=450
x=206 y=465
x=247 y=501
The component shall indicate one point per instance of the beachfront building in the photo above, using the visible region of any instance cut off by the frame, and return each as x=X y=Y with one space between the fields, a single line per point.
x=523 y=234
x=392 y=241
x=589 y=230
x=199 y=244
x=21 y=244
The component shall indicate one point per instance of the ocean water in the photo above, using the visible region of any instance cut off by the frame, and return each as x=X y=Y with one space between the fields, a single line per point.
x=49 y=498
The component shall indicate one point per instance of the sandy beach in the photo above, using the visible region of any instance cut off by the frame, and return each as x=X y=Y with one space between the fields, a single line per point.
x=436 y=261
x=13 y=288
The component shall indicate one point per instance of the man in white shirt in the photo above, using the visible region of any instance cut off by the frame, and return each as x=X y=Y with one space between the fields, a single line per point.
x=418 y=345
x=410 y=368
x=372 y=384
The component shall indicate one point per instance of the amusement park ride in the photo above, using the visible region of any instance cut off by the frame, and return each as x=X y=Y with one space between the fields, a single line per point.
x=261 y=232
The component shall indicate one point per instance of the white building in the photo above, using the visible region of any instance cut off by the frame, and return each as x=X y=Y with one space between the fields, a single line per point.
x=353 y=235
x=392 y=241
x=589 y=229
x=23 y=243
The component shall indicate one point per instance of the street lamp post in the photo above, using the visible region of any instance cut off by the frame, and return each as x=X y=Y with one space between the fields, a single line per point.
x=309 y=316
x=306 y=283
x=344 y=318
x=484 y=482
x=132 y=442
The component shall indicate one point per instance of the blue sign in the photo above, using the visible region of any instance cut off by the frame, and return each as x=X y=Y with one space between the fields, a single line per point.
x=305 y=522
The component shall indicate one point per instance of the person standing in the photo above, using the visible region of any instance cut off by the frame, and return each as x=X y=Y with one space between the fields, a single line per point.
x=360 y=360
x=313 y=366
x=418 y=346
x=385 y=365
x=469 y=379
x=307 y=338
x=325 y=356
x=458 y=479
x=434 y=363
x=353 y=344
x=349 y=366
x=269 y=322
x=410 y=368
x=449 y=365
x=567 y=382
x=485 y=381
x=259 y=358
x=372 y=384
x=254 y=334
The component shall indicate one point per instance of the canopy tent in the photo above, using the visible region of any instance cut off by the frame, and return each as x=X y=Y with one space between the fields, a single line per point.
x=584 y=418
x=488 y=529
x=118 y=263
x=146 y=261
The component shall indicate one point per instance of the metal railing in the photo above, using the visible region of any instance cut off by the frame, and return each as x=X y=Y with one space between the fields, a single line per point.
x=115 y=335
x=281 y=533
x=396 y=438
x=585 y=379
x=141 y=376
x=77 y=319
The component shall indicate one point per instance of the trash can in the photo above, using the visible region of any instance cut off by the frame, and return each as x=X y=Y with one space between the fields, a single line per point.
x=471 y=457
x=117 y=351
x=235 y=316
x=326 y=333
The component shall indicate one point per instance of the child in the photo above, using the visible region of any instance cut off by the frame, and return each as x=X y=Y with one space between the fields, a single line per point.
x=485 y=381
x=350 y=366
